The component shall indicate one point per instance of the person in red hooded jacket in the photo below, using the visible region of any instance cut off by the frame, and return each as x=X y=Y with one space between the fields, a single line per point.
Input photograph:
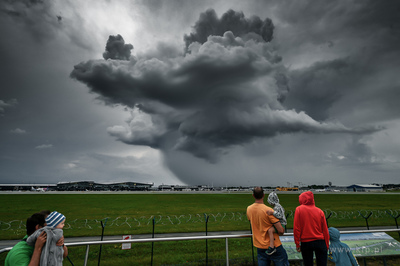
x=310 y=231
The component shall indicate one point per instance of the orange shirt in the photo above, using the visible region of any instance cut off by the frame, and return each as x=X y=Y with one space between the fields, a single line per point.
x=260 y=223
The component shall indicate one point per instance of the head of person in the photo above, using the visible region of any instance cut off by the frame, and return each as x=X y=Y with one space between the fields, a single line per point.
x=55 y=220
x=306 y=198
x=273 y=198
x=334 y=234
x=45 y=212
x=258 y=193
x=33 y=223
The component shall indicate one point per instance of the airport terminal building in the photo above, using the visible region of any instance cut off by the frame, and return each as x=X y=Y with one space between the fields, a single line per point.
x=364 y=188
x=79 y=186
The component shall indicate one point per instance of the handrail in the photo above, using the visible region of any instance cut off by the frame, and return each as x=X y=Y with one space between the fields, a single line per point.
x=226 y=237
x=183 y=238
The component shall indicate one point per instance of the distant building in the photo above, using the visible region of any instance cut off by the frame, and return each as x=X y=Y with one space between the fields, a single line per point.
x=92 y=186
x=75 y=186
x=25 y=187
x=364 y=188
x=78 y=186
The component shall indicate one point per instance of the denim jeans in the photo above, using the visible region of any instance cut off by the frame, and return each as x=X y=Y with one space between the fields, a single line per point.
x=320 y=249
x=280 y=257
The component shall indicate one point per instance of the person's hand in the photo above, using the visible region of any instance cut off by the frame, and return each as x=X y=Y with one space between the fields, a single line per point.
x=60 y=242
x=298 y=249
x=270 y=212
x=41 y=240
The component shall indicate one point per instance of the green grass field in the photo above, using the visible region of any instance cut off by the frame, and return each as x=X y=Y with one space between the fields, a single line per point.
x=134 y=213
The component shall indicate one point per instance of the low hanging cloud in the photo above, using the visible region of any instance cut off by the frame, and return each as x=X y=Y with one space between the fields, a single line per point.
x=7 y=104
x=18 y=131
x=44 y=146
x=226 y=90
x=357 y=152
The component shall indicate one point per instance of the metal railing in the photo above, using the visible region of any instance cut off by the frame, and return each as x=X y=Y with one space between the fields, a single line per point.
x=144 y=240
x=226 y=237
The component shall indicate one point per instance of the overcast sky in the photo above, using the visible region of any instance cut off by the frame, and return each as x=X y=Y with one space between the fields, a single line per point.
x=200 y=92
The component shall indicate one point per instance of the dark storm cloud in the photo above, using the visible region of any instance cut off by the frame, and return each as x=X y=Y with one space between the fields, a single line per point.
x=226 y=91
x=329 y=22
x=344 y=71
x=363 y=42
x=316 y=88
x=117 y=49
x=210 y=25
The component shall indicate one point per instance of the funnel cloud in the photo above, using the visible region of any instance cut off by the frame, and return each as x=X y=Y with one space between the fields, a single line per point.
x=228 y=89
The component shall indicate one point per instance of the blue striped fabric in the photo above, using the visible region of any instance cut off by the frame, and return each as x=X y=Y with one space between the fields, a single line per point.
x=54 y=219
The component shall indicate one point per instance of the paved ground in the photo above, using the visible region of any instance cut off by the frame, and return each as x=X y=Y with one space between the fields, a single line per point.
x=10 y=243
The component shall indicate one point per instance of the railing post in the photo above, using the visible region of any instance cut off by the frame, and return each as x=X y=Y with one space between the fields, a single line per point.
x=227 y=252
x=87 y=255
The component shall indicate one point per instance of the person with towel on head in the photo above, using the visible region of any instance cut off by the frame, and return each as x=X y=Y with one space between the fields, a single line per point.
x=51 y=253
x=278 y=212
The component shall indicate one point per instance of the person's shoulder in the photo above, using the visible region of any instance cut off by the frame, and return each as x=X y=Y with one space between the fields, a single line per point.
x=251 y=205
x=265 y=207
x=21 y=252
x=268 y=207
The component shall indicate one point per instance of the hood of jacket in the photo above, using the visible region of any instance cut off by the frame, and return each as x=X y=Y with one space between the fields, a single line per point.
x=273 y=198
x=334 y=234
x=306 y=198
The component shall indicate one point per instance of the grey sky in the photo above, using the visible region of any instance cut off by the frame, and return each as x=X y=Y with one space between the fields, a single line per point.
x=200 y=92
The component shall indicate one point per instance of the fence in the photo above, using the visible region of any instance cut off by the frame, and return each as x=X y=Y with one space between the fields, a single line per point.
x=226 y=237
x=240 y=217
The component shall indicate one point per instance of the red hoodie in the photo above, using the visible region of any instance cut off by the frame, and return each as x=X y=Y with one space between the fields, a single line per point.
x=309 y=221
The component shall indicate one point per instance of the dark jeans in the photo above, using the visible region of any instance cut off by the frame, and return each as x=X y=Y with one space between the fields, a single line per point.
x=320 y=249
x=280 y=257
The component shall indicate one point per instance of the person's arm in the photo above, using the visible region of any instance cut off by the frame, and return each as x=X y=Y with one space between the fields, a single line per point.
x=60 y=243
x=65 y=251
x=332 y=256
x=325 y=230
x=297 y=229
x=353 y=259
x=40 y=241
x=279 y=228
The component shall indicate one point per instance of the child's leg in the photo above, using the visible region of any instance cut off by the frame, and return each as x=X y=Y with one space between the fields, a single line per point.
x=271 y=236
